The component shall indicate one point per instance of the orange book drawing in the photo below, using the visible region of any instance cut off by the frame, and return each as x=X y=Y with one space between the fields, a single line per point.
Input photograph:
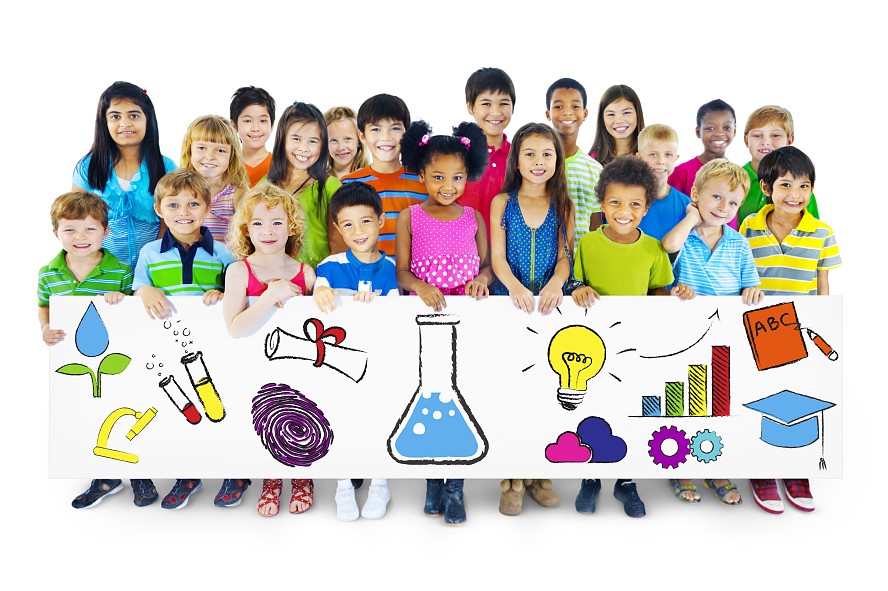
x=774 y=335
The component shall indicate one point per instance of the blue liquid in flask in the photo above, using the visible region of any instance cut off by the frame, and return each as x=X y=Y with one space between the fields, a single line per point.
x=437 y=426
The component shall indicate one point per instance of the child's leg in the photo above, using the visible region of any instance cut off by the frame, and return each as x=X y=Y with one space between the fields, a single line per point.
x=346 y=505
x=454 y=503
x=96 y=493
x=684 y=490
x=378 y=497
x=270 y=500
x=302 y=496
x=434 y=501
x=725 y=490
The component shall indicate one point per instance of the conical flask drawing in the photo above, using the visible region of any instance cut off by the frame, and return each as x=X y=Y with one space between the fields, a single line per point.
x=437 y=427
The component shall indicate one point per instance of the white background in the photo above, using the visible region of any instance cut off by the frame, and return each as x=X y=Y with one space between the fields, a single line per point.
x=822 y=62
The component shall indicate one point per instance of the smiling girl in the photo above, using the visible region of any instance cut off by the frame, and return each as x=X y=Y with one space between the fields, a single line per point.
x=346 y=149
x=619 y=121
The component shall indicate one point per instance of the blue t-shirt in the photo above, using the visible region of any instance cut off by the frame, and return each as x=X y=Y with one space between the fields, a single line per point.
x=343 y=271
x=665 y=214
x=726 y=270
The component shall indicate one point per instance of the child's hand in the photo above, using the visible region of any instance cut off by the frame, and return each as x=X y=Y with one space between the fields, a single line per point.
x=281 y=290
x=114 y=297
x=477 y=289
x=585 y=296
x=682 y=292
x=550 y=298
x=752 y=295
x=522 y=298
x=53 y=336
x=692 y=214
x=324 y=298
x=364 y=296
x=432 y=297
x=155 y=302
x=212 y=297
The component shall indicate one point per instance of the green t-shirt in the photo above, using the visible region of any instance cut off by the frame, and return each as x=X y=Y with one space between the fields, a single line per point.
x=611 y=268
x=315 y=246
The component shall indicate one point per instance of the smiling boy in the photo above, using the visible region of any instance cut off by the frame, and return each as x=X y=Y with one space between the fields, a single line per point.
x=716 y=125
x=252 y=115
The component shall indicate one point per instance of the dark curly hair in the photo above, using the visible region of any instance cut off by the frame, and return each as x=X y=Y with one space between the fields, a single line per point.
x=468 y=141
x=628 y=170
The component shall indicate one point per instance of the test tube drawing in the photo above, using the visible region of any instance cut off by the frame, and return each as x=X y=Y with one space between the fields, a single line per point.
x=180 y=400
x=203 y=385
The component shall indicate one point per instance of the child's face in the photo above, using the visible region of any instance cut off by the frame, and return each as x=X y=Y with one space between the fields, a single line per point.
x=303 y=144
x=790 y=194
x=492 y=111
x=763 y=140
x=126 y=123
x=661 y=157
x=566 y=111
x=537 y=159
x=183 y=213
x=81 y=238
x=343 y=141
x=269 y=229
x=359 y=226
x=623 y=206
x=383 y=139
x=254 y=126
x=717 y=132
x=210 y=159
x=619 y=119
x=716 y=202
x=444 y=178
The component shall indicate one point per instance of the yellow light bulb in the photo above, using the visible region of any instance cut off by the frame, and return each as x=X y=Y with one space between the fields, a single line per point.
x=576 y=354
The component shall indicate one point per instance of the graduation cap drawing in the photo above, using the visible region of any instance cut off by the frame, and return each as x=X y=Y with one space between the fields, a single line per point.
x=790 y=420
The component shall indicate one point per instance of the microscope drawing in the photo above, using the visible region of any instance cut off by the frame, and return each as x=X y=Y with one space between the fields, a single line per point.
x=142 y=420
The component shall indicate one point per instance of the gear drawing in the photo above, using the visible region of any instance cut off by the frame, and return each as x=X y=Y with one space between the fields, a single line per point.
x=698 y=440
x=656 y=446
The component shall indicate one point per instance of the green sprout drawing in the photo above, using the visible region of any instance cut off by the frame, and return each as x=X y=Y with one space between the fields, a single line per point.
x=91 y=340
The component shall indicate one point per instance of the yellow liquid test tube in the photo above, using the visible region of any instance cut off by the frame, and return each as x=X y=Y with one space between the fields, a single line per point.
x=203 y=385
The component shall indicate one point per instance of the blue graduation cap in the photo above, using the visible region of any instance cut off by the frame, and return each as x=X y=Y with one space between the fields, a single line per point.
x=790 y=419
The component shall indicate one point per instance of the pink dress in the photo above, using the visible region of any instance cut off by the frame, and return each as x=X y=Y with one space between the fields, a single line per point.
x=444 y=253
x=221 y=210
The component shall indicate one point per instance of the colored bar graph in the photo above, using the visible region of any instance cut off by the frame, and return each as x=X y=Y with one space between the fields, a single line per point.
x=697 y=390
x=650 y=406
x=674 y=399
x=721 y=381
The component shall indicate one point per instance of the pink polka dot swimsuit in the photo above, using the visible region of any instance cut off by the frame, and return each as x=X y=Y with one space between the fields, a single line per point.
x=444 y=253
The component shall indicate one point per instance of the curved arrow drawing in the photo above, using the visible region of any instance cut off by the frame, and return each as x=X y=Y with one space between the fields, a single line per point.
x=714 y=315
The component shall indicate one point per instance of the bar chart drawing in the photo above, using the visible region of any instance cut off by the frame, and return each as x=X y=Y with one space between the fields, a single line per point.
x=698 y=402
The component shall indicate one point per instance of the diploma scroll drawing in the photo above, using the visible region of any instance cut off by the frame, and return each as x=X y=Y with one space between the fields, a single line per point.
x=321 y=346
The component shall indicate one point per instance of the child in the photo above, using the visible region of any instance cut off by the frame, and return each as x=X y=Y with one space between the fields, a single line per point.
x=566 y=109
x=767 y=129
x=252 y=115
x=490 y=98
x=211 y=148
x=123 y=166
x=346 y=150
x=714 y=260
x=84 y=268
x=658 y=146
x=299 y=166
x=617 y=125
x=534 y=211
x=382 y=121
x=716 y=124
x=266 y=234
x=620 y=259
x=186 y=261
x=442 y=247
x=362 y=271
x=794 y=253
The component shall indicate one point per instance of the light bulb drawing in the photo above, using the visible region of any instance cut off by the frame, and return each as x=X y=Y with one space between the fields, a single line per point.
x=576 y=354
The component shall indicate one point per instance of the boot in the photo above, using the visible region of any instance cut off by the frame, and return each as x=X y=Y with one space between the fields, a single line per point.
x=512 y=496
x=542 y=492
x=454 y=503
x=434 y=501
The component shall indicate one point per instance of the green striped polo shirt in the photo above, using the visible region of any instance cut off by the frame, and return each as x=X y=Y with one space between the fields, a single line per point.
x=582 y=176
x=109 y=275
x=166 y=265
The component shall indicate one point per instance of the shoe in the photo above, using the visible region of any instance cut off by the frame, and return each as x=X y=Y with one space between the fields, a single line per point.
x=346 y=505
x=454 y=502
x=798 y=493
x=679 y=489
x=378 y=497
x=766 y=496
x=512 y=497
x=722 y=491
x=95 y=493
x=144 y=493
x=627 y=494
x=303 y=492
x=270 y=497
x=179 y=496
x=588 y=495
x=231 y=492
x=434 y=501
x=542 y=492
x=357 y=483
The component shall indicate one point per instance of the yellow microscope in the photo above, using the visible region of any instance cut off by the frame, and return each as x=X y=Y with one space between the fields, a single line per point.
x=142 y=420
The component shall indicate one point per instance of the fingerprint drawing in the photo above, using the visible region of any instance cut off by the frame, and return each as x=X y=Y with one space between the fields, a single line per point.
x=291 y=427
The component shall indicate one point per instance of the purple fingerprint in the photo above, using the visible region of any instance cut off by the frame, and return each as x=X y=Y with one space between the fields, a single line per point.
x=292 y=427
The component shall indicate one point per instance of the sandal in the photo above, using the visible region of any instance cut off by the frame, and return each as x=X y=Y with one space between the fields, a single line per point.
x=270 y=497
x=303 y=494
x=722 y=491
x=679 y=489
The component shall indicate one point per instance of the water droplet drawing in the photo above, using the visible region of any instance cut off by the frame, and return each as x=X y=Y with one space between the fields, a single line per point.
x=91 y=340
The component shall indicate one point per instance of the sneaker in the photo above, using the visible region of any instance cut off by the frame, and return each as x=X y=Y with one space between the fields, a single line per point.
x=628 y=495
x=798 y=493
x=97 y=491
x=144 y=492
x=766 y=496
x=232 y=492
x=346 y=505
x=378 y=498
x=588 y=495
x=181 y=493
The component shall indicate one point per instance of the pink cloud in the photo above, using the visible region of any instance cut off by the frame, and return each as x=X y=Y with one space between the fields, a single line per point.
x=568 y=449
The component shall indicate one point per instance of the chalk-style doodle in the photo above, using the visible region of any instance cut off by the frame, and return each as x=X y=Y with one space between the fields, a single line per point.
x=437 y=426
x=709 y=440
x=790 y=419
x=698 y=401
x=92 y=340
x=204 y=386
x=774 y=335
x=321 y=346
x=597 y=433
x=180 y=400
x=824 y=347
x=576 y=354
x=291 y=427
x=142 y=420
x=712 y=318
x=567 y=448
x=661 y=436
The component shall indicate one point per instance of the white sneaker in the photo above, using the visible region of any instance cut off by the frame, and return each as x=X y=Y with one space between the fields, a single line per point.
x=378 y=498
x=346 y=506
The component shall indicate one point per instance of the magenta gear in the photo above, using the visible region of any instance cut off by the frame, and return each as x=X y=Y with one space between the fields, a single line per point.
x=656 y=447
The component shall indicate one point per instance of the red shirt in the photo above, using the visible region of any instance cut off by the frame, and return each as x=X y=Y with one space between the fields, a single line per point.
x=479 y=194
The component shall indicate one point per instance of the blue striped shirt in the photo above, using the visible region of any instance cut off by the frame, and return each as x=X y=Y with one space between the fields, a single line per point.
x=726 y=270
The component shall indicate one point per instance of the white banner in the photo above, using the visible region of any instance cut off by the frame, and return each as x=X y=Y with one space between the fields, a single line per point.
x=642 y=387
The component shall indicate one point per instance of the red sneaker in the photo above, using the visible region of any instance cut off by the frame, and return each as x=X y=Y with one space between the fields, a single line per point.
x=798 y=493
x=766 y=496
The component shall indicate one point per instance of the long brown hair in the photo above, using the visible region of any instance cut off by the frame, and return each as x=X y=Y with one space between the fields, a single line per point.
x=604 y=147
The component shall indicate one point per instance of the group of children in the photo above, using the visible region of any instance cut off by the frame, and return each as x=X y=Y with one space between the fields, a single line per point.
x=465 y=213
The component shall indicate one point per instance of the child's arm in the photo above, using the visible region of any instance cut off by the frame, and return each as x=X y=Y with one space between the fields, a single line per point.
x=308 y=273
x=522 y=297
x=676 y=237
x=552 y=294
x=212 y=297
x=155 y=302
x=751 y=295
x=51 y=336
x=242 y=319
x=429 y=294
x=479 y=286
x=823 y=282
